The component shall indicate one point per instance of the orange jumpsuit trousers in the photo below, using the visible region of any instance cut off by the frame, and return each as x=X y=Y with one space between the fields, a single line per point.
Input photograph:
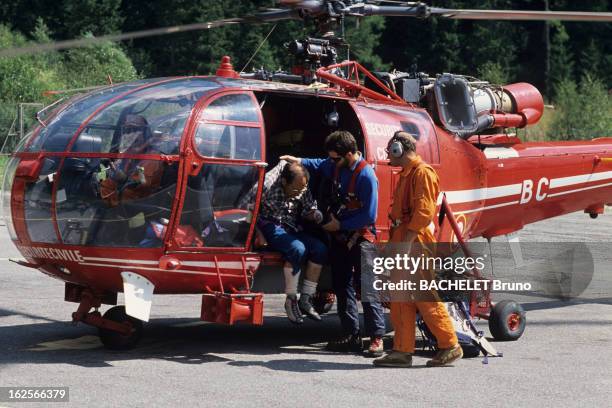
x=419 y=185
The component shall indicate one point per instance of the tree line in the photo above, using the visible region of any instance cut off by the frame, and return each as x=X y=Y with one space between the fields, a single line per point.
x=568 y=62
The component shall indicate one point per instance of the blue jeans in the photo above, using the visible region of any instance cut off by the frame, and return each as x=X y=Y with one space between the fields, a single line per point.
x=346 y=275
x=296 y=247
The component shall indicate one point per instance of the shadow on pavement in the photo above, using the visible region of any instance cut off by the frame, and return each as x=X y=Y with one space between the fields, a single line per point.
x=185 y=341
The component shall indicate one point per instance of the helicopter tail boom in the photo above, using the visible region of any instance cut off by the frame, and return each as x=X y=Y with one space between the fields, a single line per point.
x=540 y=180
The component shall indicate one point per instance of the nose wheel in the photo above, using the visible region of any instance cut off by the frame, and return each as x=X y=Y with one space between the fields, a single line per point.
x=115 y=340
x=507 y=321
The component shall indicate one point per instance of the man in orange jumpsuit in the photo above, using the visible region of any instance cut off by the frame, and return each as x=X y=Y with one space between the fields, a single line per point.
x=411 y=222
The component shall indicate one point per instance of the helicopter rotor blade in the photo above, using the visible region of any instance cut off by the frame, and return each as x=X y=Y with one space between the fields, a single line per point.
x=521 y=15
x=421 y=10
x=274 y=15
x=266 y=16
x=314 y=5
x=84 y=42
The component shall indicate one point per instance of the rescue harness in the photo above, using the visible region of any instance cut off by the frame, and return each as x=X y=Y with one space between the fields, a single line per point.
x=351 y=202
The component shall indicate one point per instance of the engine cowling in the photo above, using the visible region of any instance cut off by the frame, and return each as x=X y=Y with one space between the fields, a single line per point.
x=467 y=108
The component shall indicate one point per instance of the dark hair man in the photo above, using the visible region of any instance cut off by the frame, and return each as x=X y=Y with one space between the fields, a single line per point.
x=357 y=189
x=413 y=210
x=284 y=201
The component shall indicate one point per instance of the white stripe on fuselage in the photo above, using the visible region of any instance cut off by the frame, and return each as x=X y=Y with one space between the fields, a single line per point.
x=488 y=207
x=131 y=261
x=200 y=264
x=579 y=179
x=479 y=194
x=500 y=152
x=144 y=268
x=579 y=189
x=511 y=190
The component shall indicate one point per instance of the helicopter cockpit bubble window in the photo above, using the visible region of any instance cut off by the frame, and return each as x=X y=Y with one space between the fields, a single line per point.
x=160 y=111
x=38 y=203
x=67 y=118
x=7 y=187
x=121 y=203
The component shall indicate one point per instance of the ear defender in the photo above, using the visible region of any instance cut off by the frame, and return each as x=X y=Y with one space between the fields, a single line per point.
x=396 y=149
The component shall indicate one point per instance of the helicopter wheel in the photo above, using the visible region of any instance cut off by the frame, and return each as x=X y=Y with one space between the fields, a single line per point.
x=116 y=341
x=507 y=321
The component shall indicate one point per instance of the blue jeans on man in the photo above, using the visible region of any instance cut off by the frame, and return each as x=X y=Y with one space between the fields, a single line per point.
x=346 y=275
x=296 y=246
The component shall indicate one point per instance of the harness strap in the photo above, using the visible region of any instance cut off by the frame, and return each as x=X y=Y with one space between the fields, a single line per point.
x=351 y=187
x=353 y=203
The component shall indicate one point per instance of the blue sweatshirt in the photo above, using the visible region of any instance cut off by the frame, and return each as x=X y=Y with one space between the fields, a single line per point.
x=366 y=191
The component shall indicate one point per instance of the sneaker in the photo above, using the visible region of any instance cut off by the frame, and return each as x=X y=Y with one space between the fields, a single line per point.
x=307 y=309
x=346 y=344
x=293 y=310
x=397 y=359
x=446 y=356
x=376 y=348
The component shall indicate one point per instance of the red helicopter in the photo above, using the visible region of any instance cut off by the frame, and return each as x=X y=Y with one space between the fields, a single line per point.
x=135 y=187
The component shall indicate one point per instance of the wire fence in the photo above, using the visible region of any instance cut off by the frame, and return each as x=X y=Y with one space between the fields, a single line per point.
x=15 y=121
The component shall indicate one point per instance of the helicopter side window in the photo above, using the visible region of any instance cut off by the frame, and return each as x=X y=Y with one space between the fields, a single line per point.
x=420 y=127
x=229 y=129
x=234 y=107
x=228 y=141
x=411 y=129
x=212 y=202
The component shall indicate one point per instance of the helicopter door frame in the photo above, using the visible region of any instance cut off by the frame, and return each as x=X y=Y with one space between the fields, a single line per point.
x=193 y=162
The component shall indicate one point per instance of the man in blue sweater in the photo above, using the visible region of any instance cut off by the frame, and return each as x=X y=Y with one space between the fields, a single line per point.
x=355 y=186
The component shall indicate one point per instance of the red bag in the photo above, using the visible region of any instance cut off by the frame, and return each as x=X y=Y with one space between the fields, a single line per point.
x=186 y=236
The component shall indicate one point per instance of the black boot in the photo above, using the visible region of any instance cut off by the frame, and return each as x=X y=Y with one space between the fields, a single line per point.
x=307 y=309
x=346 y=344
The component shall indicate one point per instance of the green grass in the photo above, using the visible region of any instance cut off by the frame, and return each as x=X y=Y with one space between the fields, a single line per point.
x=539 y=131
x=4 y=159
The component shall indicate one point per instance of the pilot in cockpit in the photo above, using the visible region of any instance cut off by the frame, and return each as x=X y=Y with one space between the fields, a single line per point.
x=129 y=178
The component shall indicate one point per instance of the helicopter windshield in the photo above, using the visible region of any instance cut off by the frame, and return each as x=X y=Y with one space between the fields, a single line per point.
x=89 y=196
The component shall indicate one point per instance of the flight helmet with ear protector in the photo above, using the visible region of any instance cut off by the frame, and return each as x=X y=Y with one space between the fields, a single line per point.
x=398 y=146
x=396 y=149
